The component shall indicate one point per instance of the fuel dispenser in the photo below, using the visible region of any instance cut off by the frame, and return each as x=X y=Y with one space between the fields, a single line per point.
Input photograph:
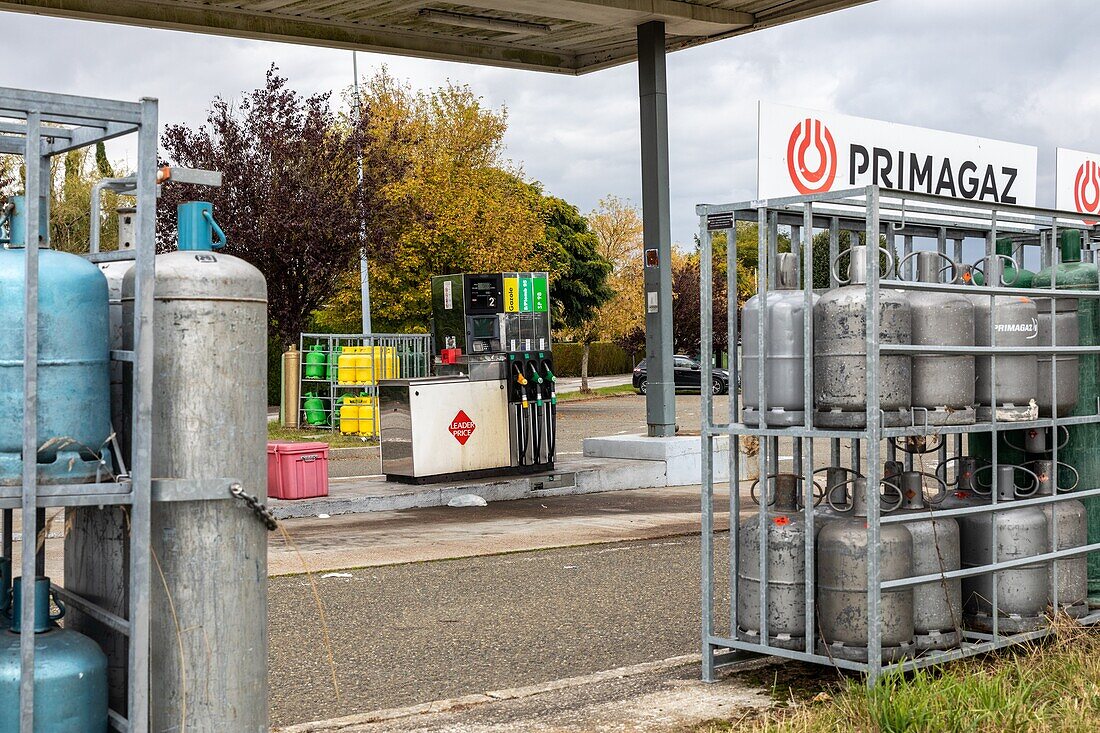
x=491 y=405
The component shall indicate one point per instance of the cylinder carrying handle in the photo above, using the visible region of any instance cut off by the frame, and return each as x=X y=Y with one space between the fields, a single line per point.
x=756 y=483
x=220 y=241
x=845 y=281
x=828 y=487
x=943 y=491
x=1063 y=464
x=942 y=467
x=1023 y=449
x=955 y=270
x=61 y=610
x=882 y=482
x=1019 y=491
x=980 y=267
x=1076 y=477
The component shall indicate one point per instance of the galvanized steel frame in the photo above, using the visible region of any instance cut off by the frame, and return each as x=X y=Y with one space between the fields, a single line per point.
x=42 y=125
x=873 y=212
x=407 y=344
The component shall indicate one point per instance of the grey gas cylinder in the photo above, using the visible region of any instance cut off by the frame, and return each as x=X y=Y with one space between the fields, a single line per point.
x=840 y=352
x=784 y=312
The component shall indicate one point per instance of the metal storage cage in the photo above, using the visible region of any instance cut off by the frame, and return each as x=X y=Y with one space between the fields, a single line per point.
x=39 y=126
x=873 y=214
x=379 y=355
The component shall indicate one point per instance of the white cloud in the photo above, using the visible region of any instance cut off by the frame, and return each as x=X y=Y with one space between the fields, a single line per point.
x=995 y=68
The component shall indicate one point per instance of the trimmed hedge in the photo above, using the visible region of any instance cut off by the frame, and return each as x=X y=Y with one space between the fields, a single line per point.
x=603 y=358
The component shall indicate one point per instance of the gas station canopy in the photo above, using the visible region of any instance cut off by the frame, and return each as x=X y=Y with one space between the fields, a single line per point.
x=565 y=36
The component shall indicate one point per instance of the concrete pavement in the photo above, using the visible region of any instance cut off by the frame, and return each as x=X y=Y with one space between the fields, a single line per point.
x=384 y=538
x=573 y=384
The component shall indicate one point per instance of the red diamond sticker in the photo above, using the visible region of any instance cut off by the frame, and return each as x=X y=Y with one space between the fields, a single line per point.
x=462 y=427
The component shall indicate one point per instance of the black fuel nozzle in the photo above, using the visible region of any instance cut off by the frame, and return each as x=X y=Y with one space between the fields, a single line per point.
x=534 y=380
x=550 y=381
x=518 y=384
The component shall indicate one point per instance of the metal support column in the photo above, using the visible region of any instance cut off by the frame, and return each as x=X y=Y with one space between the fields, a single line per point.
x=656 y=230
x=35 y=184
x=364 y=288
x=142 y=417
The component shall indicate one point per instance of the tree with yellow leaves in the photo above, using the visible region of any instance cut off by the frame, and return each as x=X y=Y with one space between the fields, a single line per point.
x=467 y=207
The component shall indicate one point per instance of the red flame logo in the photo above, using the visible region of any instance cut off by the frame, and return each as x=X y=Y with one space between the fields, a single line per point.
x=812 y=171
x=1086 y=189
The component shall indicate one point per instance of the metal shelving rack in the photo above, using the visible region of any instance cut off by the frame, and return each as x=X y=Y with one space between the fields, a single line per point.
x=873 y=213
x=412 y=350
x=39 y=126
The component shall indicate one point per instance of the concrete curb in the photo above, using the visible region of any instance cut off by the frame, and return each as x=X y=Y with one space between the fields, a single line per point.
x=351 y=722
x=613 y=476
x=344 y=454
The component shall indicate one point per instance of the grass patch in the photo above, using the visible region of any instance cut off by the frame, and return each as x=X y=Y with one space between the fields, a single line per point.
x=617 y=391
x=333 y=438
x=1048 y=686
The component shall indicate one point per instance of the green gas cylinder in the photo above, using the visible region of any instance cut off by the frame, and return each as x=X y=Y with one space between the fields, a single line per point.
x=1081 y=449
x=1013 y=277
x=315 y=362
x=314 y=408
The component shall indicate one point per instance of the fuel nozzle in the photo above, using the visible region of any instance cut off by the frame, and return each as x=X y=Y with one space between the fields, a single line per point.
x=521 y=380
x=553 y=384
x=534 y=380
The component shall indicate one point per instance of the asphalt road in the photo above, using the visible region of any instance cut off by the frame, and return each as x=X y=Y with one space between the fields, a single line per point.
x=406 y=634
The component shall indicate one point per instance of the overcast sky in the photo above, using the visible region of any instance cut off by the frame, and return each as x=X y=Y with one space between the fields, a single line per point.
x=1005 y=69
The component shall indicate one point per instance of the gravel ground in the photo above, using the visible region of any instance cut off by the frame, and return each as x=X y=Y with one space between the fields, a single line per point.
x=406 y=634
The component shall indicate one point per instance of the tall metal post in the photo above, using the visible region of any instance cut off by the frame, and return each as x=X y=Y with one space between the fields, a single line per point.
x=35 y=201
x=142 y=420
x=364 y=272
x=656 y=230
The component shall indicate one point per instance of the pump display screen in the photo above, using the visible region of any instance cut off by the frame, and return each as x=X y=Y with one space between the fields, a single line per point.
x=483 y=294
x=483 y=328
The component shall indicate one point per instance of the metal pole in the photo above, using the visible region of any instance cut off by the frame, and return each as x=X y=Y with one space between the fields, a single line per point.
x=33 y=161
x=732 y=330
x=707 y=527
x=874 y=437
x=656 y=230
x=141 y=470
x=364 y=274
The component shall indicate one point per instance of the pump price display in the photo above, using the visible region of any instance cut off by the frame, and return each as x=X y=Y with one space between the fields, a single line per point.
x=511 y=295
x=483 y=294
x=541 y=290
x=526 y=295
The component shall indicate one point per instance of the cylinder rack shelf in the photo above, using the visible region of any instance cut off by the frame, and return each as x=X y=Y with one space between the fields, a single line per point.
x=891 y=218
x=39 y=126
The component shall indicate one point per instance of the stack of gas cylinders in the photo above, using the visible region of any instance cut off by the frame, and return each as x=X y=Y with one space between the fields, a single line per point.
x=929 y=391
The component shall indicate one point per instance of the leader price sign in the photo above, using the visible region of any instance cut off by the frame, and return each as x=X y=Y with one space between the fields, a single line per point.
x=803 y=151
x=1077 y=183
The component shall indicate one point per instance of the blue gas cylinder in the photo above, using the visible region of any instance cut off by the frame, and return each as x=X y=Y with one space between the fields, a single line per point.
x=74 y=409
x=70 y=672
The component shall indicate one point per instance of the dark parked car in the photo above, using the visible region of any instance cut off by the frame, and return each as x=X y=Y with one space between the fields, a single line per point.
x=687 y=376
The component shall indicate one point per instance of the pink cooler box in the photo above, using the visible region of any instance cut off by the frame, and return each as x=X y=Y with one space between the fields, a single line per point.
x=297 y=470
